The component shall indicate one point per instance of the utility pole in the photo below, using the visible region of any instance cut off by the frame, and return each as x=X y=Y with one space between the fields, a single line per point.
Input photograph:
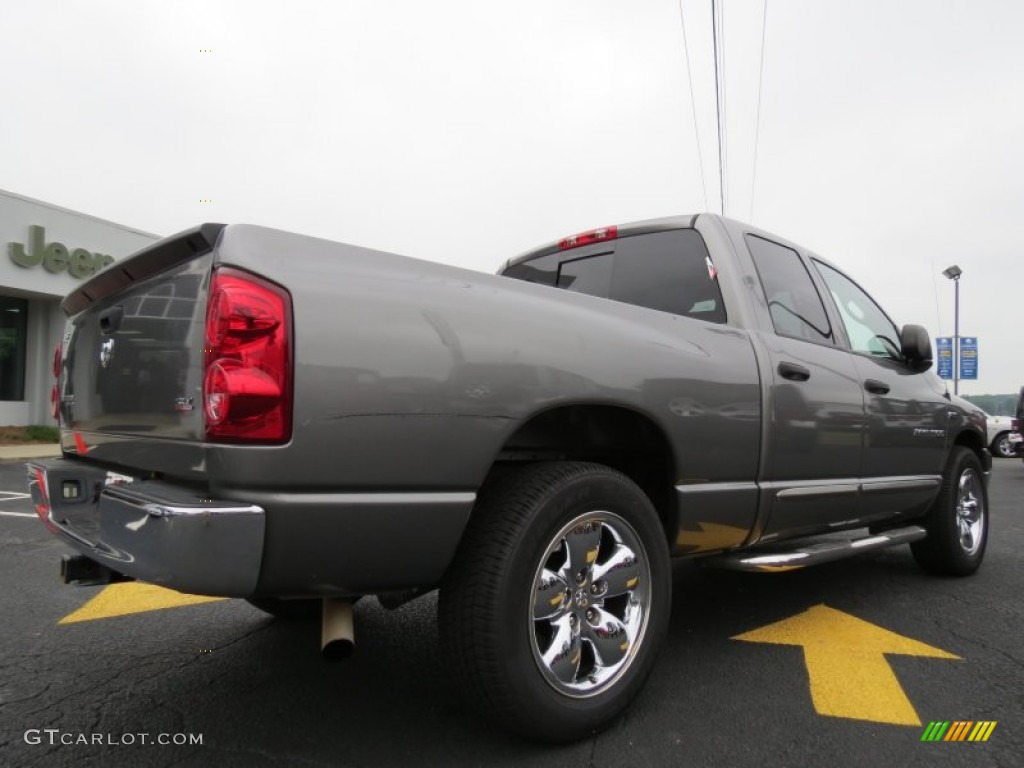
x=953 y=273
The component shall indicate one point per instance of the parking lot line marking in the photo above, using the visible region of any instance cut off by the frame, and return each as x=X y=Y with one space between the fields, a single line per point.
x=12 y=495
x=845 y=658
x=19 y=514
x=133 y=597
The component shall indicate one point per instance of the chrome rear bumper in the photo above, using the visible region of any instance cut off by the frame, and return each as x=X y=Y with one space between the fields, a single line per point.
x=150 y=530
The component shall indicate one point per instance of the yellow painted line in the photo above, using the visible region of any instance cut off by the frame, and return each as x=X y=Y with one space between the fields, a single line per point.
x=132 y=597
x=987 y=732
x=845 y=658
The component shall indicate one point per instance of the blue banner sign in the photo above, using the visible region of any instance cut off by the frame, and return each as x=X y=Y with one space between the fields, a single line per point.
x=968 y=357
x=944 y=350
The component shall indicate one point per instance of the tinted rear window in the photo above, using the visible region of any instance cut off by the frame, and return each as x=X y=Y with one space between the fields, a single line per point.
x=794 y=303
x=668 y=271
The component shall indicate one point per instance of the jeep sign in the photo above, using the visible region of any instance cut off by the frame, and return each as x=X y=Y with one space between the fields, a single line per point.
x=56 y=257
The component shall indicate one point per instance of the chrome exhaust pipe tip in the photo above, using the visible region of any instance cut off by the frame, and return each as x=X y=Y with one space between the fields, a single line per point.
x=337 y=635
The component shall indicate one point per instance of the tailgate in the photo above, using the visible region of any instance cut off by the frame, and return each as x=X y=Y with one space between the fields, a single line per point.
x=133 y=350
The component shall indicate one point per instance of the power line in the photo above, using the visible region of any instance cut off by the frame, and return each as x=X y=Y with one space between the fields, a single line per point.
x=725 y=104
x=718 y=107
x=757 y=128
x=693 y=107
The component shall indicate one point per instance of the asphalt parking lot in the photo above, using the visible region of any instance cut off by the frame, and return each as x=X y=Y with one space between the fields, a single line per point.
x=833 y=668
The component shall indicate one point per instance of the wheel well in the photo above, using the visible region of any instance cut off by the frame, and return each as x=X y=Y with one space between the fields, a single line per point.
x=611 y=435
x=973 y=441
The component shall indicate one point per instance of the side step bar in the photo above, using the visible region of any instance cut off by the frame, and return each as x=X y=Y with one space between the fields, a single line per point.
x=777 y=561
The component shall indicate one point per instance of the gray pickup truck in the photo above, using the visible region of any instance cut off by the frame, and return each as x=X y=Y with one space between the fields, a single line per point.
x=250 y=413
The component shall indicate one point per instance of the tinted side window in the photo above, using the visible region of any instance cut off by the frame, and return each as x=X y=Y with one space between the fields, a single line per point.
x=668 y=271
x=870 y=330
x=793 y=301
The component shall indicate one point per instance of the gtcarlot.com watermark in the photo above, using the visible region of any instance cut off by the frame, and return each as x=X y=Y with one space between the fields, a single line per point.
x=56 y=737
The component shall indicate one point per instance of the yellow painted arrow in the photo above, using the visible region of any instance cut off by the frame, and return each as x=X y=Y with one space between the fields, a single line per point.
x=132 y=597
x=845 y=659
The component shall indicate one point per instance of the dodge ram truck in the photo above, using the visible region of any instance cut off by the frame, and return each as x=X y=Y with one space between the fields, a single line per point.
x=250 y=413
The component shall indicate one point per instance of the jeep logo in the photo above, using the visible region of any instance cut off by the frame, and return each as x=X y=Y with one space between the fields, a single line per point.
x=55 y=257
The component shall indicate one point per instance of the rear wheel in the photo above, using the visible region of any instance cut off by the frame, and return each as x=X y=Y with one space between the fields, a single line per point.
x=558 y=599
x=957 y=523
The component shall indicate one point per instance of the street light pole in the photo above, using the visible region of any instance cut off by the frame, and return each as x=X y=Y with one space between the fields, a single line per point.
x=953 y=273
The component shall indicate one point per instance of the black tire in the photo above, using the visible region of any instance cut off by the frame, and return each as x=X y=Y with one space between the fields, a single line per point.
x=288 y=610
x=1002 y=447
x=531 y=530
x=958 y=520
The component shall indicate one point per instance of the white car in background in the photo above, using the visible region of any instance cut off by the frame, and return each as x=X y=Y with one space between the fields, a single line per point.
x=999 y=431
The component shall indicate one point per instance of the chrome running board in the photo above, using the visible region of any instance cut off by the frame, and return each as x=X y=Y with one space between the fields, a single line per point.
x=778 y=560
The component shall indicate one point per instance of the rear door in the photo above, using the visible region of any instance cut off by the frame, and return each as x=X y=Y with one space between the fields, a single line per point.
x=130 y=379
x=133 y=359
x=812 y=464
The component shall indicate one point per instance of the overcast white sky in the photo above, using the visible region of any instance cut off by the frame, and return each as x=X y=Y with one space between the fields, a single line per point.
x=466 y=131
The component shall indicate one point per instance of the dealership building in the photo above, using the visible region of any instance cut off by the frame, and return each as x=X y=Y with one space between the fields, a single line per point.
x=48 y=252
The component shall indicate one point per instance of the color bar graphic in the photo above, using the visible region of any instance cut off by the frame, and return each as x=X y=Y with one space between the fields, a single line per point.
x=982 y=731
x=958 y=730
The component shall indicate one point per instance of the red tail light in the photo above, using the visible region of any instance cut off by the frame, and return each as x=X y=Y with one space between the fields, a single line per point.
x=1015 y=425
x=247 y=383
x=586 y=238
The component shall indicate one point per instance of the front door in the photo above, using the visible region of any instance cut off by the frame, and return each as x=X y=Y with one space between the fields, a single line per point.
x=907 y=411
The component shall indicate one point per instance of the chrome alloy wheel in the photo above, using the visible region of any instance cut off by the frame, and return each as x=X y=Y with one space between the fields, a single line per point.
x=591 y=603
x=970 y=511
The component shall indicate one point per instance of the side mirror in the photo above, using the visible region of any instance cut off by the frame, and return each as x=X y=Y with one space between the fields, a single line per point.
x=916 y=347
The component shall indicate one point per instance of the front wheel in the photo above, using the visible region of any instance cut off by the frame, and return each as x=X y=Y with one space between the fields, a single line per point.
x=558 y=599
x=957 y=522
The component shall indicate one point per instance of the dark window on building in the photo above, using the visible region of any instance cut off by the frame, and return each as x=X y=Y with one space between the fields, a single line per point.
x=668 y=271
x=795 y=305
x=13 y=333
